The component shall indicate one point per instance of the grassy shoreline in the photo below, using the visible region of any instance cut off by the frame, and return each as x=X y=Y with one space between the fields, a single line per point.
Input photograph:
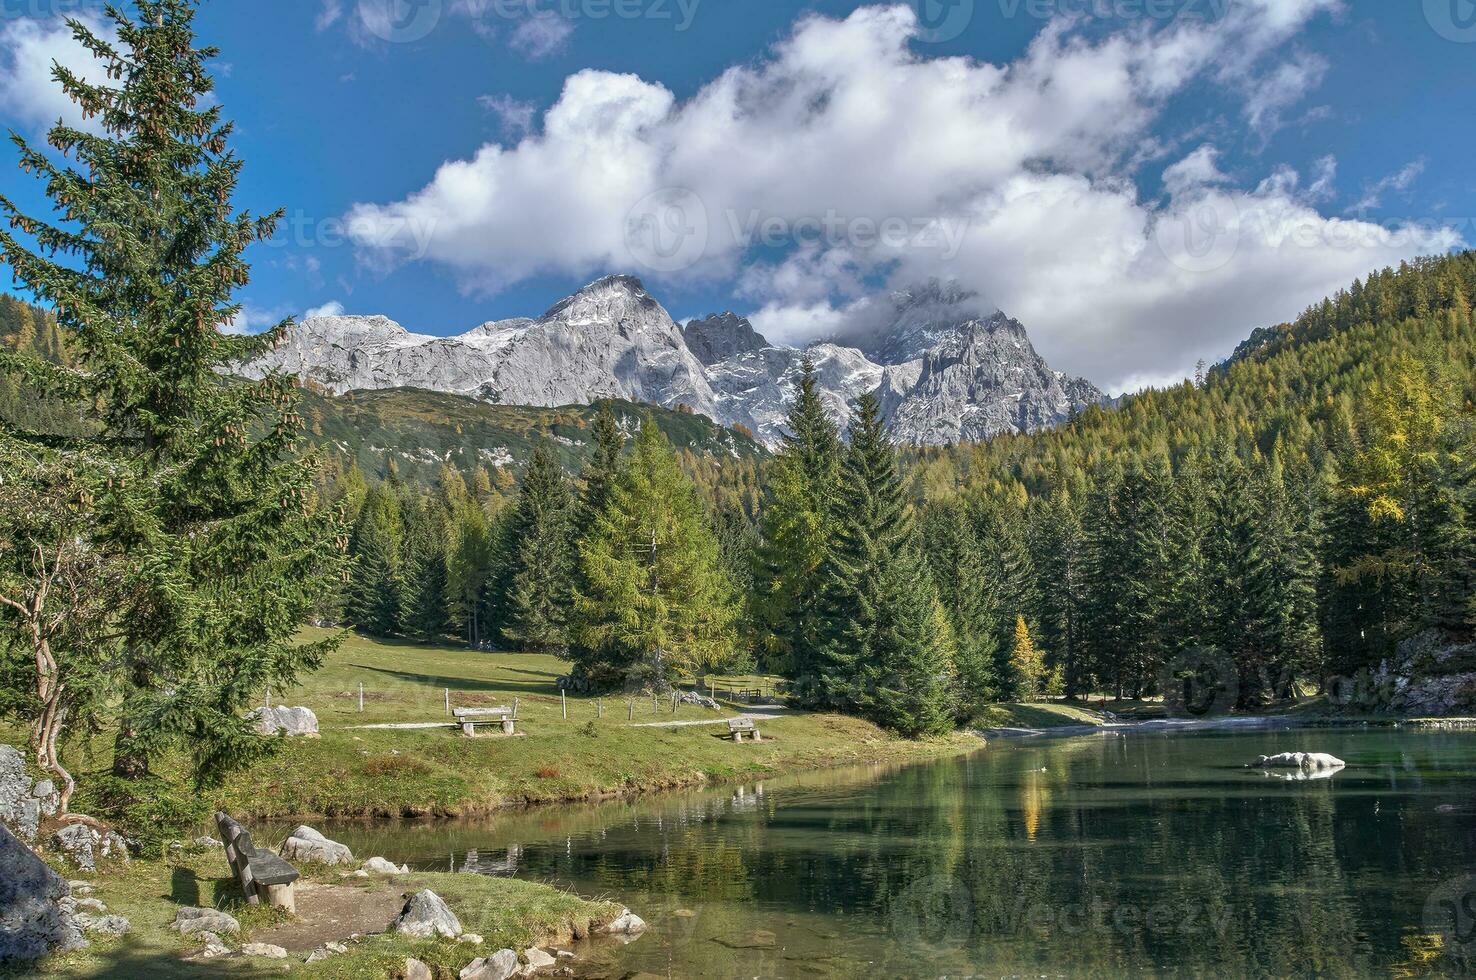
x=570 y=750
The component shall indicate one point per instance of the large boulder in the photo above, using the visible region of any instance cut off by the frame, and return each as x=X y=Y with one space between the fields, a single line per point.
x=23 y=802
x=292 y=722
x=307 y=845
x=85 y=846
x=426 y=914
x=499 y=966
x=32 y=922
x=380 y=866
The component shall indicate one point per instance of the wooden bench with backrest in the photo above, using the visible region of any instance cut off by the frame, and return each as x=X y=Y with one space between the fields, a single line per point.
x=260 y=873
x=739 y=727
x=470 y=718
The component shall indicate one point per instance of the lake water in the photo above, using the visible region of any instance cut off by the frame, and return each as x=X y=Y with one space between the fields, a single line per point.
x=1144 y=854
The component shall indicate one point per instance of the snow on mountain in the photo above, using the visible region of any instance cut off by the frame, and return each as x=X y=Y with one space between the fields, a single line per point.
x=944 y=370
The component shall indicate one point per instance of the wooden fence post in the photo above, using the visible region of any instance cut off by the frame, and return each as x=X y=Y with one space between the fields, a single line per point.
x=564 y=703
x=448 y=700
x=361 y=695
x=630 y=710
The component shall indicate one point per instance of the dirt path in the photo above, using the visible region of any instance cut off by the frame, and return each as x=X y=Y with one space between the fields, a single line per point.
x=333 y=913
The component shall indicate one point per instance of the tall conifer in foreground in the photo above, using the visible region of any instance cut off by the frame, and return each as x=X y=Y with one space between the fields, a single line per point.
x=796 y=528
x=212 y=497
x=541 y=553
x=652 y=599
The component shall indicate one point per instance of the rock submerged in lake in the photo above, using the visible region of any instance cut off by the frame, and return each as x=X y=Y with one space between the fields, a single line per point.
x=426 y=914
x=306 y=844
x=1305 y=761
x=627 y=923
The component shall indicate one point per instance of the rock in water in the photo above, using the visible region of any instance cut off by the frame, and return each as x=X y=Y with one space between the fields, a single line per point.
x=627 y=923
x=32 y=923
x=1305 y=761
x=426 y=914
x=197 y=922
x=499 y=966
x=306 y=844
x=292 y=722
x=537 y=959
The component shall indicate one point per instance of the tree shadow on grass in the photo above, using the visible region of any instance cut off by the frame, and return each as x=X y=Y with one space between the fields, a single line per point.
x=464 y=683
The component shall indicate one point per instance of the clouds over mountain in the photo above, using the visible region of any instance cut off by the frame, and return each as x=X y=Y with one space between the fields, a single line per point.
x=853 y=153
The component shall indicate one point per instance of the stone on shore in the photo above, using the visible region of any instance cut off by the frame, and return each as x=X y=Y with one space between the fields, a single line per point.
x=426 y=914
x=32 y=923
x=292 y=722
x=307 y=845
x=198 y=922
x=536 y=959
x=499 y=966
x=1305 y=761
x=380 y=866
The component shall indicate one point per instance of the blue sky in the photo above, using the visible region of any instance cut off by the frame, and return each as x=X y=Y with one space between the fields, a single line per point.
x=1141 y=181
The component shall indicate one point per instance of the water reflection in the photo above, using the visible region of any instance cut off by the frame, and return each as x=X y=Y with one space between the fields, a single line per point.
x=1093 y=856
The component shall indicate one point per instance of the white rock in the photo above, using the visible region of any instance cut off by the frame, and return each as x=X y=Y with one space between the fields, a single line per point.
x=293 y=722
x=1305 y=761
x=426 y=914
x=470 y=938
x=193 y=921
x=380 y=866
x=625 y=924
x=266 y=950
x=415 y=970
x=307 y=844
x=536 y=959
x=499 y=966
x=102 y=925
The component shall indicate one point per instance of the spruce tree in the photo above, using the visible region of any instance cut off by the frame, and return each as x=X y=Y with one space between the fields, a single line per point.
x=373 y=600
x=796 y=529
x=969 y=597
x=652 y=599
x=424 y=579
x=213 y=495
x=541 y=555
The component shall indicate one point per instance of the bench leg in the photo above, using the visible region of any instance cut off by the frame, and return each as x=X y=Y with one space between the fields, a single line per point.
x=281 y=896
x=507 y=726
x=738 y=736
x=756 y=736
x=468 y=729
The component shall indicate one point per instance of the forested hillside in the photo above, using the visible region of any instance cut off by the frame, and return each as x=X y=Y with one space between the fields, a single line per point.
x=1302 y=507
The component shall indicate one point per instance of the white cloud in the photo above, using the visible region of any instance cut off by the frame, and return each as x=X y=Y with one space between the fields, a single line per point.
x=1373 y=194
x=514 y=116
x=845 y=126
x=331 y=308
x=28 y=49
x=540 y=35
x=328 y=15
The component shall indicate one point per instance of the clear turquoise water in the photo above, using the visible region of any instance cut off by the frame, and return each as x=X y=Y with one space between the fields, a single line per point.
x=1138 y=855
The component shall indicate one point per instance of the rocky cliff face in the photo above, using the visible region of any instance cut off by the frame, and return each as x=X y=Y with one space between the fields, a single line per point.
x=945 y=370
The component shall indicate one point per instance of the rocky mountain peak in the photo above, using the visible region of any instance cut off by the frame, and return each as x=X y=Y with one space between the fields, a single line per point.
x=721 y=336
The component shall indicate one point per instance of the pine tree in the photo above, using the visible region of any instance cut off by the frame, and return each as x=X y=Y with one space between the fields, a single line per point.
x=652 y=599
x=796 y=530
x=1057 y=549
x=968 y=594
x=907 y=682
x=213 y=493
x=541 y=555
x=373 y=595
x=424 y=578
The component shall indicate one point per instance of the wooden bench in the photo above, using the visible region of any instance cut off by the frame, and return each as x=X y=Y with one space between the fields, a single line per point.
x=261 y=874
x=738 y=727
x=470 y=718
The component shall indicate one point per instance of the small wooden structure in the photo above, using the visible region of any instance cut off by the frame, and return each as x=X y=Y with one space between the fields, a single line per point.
x=738 y=727
x=470 y=718
x=260 y=873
